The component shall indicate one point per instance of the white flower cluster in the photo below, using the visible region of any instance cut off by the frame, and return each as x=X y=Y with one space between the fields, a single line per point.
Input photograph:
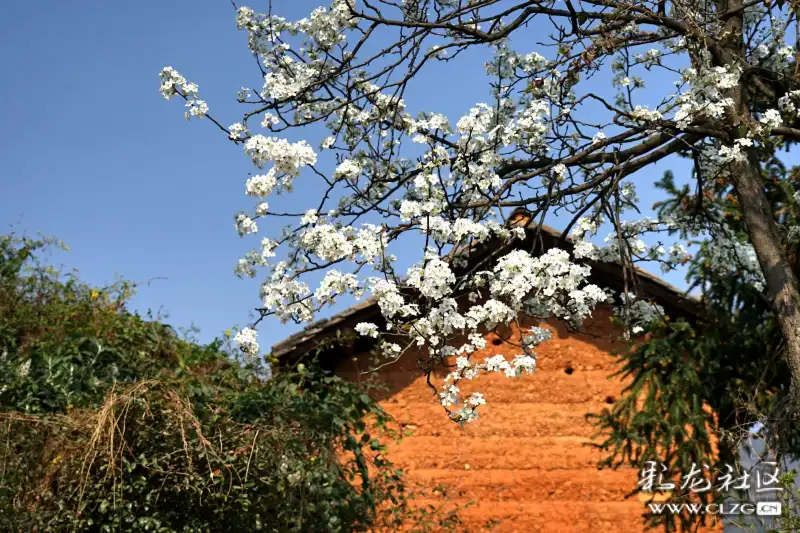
x=771 y=119
x=789 y=102
x=288 y=78
x=550 y=281
x=287 y=297
x=548 y=285
x=465 y=369
x=367 y=329
x=288 y=158
x=530 y=63
x=246 y=338
x=261 y=185
x=650 y=58
x=291 y=299
x=433 y=280
x=431 y=122
x=335 y=284
x=734 y=153
x=705 y=98
x=325 y=27
x=246 y=266
x=529 y=128
x=348 y=170
x=332 y=243
x=477 y=122
x=390 y=301
x=452 y=181
x=535 y=337
x=244 y=225
x=236 y=131
x=631 y=233
x=172 y=83
x=677 y=255
x=646 y=115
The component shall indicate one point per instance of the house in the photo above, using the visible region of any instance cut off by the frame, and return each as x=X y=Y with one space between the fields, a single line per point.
x=525 y=462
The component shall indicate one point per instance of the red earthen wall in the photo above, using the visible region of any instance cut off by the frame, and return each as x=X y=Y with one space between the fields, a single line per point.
x=525 y=461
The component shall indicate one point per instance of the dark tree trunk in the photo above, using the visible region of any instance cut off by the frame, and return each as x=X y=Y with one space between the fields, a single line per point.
x=780 y=279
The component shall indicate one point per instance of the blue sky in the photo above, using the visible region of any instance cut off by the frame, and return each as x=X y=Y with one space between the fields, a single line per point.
x=93 y=155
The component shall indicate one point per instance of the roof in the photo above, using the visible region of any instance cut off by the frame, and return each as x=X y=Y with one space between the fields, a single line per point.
x=675 y=302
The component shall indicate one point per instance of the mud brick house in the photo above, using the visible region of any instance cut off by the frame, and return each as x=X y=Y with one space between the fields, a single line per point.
x=525 y=461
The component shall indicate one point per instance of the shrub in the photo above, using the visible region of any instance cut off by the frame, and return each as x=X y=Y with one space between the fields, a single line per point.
x=111 y=422
x=157 y=457
x=63 y=343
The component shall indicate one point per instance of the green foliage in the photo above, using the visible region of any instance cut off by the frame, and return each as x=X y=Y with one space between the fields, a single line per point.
x=700 y=383
x=63 y=344
x=789 y=521
x=689 y=398
x=112 y=422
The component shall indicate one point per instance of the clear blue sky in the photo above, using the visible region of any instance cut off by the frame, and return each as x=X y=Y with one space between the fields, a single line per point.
x=93 y=155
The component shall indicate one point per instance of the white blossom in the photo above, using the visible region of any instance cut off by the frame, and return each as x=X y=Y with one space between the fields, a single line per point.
x=367 y=329
x=536 y=336
x=246 y=338
x=172 y=83
x=434 y=280
x=392 y=179
x=245 y=225
x=236 y=130
x=261 y=185
x=348 y=169
x=288 y=78
x=476 y=399
x=335 y=284
x=761 y=51
x=288 y=158
x=771 y=119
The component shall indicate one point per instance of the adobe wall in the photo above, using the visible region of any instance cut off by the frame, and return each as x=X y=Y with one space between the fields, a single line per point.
x=525 y=461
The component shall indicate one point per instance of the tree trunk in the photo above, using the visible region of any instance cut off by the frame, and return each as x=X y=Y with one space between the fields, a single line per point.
x=780 y=279
x=758 y=217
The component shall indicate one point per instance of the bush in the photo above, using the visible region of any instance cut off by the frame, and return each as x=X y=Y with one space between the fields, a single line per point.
x=154 y=457
x=112 y=422
x=63 y=344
